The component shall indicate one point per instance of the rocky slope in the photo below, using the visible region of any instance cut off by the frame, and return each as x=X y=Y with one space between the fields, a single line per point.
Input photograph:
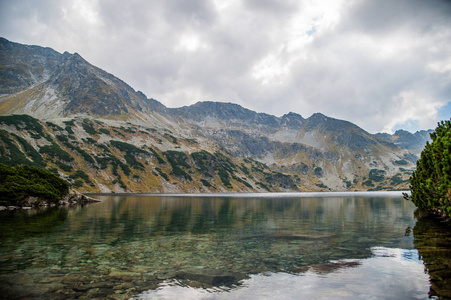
x=102 y=135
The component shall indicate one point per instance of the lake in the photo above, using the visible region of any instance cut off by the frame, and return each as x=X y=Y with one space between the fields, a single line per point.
x=228 y=246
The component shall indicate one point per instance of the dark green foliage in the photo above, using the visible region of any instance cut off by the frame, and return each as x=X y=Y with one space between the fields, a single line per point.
x=205 y=183
x=128 y=148
x=318 y=171
x=162 y=174
x=130 y=153
x=26 y=123
x=263 y=186
x=281 y=180
x=125 y=169
x=54 y=126
x=430 y=183
x=128 y=130
x=118 y=132
x=80 y=174
x=114 y=162
x=397 y=180
x=91 y=141
x=368 y=183
x=23 y=122
x=62 y=138
x=257 y=166
x=245 y=170
x=88 y=158
x=16 y=183
x=69 y=125
x=171 y=138
x=103 y=130
x=322 y=185
x=77 y=183
x=177 y=160
x=401 y=162
x=88 y=126
x=55 y=151
x=204 y=162
x=218 y=164
x=104 y=147
x=30 y=151
x=10 y=154
x=225 y=179
x=158 y=157
x=69 y=130
x=63 y=166
x=376 y=175
x=242 y=181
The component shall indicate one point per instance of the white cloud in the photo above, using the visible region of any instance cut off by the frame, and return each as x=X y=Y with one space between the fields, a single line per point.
x=367 y=61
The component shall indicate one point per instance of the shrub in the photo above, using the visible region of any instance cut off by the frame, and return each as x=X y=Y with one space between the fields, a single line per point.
x=55 y=151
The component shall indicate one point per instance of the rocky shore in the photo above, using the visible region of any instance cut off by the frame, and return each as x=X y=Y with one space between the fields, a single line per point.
x=72 y=198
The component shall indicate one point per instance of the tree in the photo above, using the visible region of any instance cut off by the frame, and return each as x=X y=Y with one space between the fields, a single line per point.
x=430 y=183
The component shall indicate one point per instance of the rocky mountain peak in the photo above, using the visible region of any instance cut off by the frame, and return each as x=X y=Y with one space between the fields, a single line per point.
x=224 y=112
x=292 y=120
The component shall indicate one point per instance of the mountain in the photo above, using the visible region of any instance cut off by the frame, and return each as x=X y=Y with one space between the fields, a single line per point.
x=64 y=114
x=413 y=142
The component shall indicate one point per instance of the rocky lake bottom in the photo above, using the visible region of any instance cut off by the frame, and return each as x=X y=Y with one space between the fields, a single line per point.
x=366 y=245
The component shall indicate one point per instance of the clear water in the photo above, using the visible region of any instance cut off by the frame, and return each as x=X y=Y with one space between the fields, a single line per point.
x=249 y=246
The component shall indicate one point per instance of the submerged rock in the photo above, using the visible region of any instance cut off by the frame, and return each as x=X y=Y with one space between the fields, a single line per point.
x=327 y=267
x=211 y=277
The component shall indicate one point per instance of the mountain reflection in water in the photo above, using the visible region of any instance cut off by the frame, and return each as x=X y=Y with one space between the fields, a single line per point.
x=148 y=246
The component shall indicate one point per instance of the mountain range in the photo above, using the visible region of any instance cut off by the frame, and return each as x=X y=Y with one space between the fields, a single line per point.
x=61 y=113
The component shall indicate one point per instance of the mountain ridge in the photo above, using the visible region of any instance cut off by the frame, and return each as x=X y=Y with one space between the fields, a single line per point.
x=318 y=152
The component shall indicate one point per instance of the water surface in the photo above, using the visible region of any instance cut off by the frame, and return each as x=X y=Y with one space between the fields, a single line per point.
x=215 y=247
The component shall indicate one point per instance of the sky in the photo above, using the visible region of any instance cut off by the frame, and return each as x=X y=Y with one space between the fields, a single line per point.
x=381 y=64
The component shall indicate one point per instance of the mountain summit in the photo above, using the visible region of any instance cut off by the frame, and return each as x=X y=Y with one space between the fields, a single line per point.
x=44 y=83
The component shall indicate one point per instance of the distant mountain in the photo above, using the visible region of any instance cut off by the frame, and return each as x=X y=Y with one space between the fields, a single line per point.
x=101 y=123
x=413 y=142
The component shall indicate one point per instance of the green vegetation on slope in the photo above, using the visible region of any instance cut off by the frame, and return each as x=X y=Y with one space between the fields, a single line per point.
x=17 y=183
x=10 y=153
x=430 y=183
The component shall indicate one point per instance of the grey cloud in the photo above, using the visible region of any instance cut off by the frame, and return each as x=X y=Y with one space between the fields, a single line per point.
x=380 y=17
x=358 y=68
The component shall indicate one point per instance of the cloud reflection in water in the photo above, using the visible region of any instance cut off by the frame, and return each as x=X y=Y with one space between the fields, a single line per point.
x=383 y=276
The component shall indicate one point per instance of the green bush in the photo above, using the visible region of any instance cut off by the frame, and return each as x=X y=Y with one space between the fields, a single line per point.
x=130 y=153
x=103 y=130
x=376 y=175
x=16 y=183
x=430 y=183
x=55 y=151
x=176 y=160
x=88 y=127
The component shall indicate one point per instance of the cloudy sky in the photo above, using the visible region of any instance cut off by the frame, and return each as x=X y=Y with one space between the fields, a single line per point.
x=381 y=64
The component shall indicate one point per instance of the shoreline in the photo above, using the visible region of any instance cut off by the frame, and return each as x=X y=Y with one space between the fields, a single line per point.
x=260 y=195
x=73 y=198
